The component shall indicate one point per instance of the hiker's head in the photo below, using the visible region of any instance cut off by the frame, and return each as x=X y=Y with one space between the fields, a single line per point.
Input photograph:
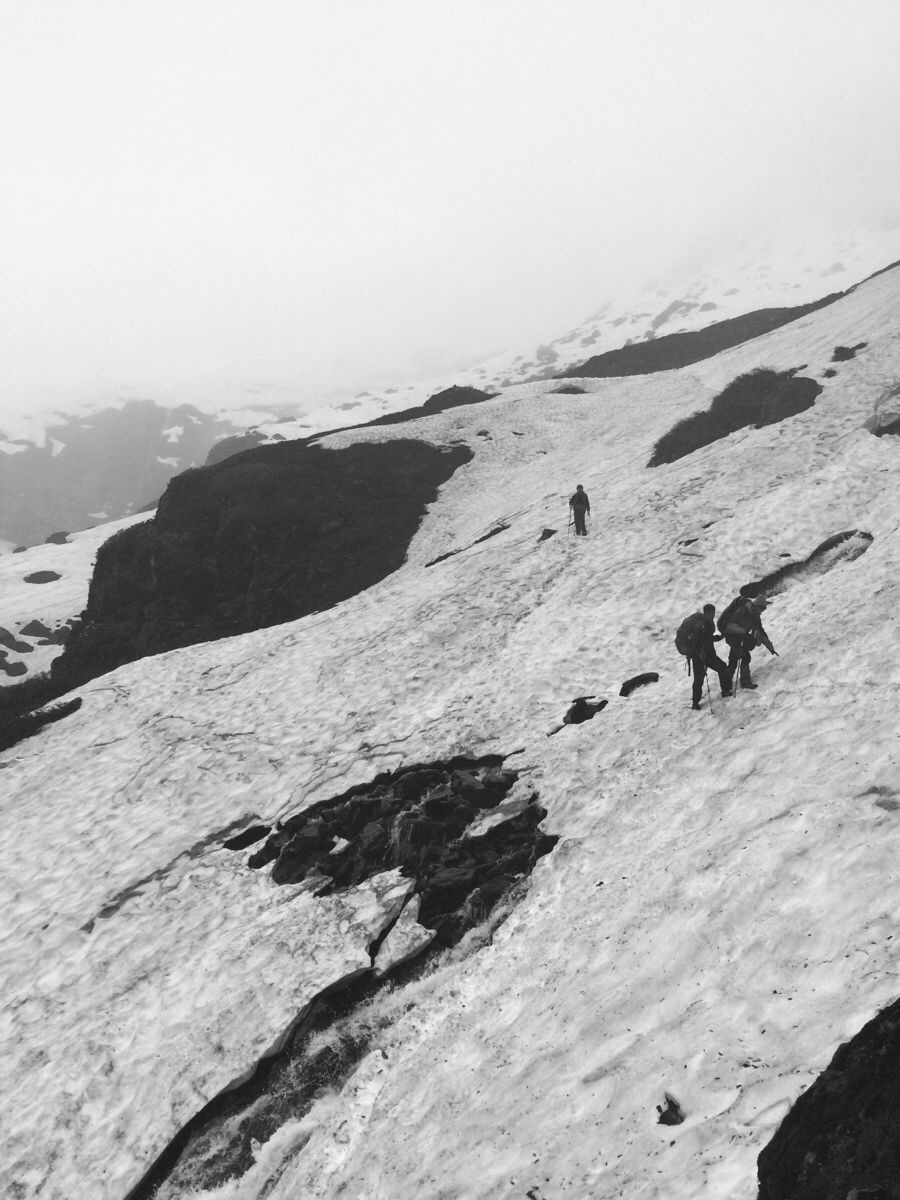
x=579 y=487
x=759 y=603
x=709 y=610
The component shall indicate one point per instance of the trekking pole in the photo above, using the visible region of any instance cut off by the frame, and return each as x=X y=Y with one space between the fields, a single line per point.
x=708 y=696
x=569 y=526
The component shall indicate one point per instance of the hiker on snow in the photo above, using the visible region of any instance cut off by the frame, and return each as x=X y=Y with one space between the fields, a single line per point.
x=742 y=627
x=580 y=506
x=696 y=638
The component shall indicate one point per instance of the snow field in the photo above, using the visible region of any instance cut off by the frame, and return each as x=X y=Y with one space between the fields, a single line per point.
x=718 y=915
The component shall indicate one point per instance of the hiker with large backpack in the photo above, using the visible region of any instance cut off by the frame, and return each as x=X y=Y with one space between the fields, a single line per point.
x=580 y=506
x=743 y=630
x=695 y=639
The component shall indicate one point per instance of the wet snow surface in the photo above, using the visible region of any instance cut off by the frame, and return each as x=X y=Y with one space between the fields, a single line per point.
x=721 y=909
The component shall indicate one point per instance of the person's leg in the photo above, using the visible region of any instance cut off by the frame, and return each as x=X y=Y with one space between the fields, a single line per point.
x=698 y=671
x=579 y=520
x=724 y=674
x=746 y=681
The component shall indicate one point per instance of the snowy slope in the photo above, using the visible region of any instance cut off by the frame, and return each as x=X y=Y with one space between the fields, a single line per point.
x=720 y=910
x=29 y=594
x=74 y=460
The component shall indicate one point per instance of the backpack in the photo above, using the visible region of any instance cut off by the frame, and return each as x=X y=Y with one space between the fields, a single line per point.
x=689 y=635
x=728 y=612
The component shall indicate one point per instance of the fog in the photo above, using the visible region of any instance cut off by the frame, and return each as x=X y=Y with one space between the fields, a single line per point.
x=328 y=194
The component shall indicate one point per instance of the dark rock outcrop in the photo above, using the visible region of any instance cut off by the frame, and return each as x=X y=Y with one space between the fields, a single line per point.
x=840 y=1138
x=415 y=819
x=681 y=349
x=638 y=681
x=268 y=536
x=761 y=397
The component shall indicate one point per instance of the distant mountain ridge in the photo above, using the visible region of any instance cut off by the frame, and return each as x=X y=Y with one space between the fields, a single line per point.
x=66 y=471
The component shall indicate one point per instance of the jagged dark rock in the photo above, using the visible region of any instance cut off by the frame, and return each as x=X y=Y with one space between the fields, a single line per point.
x=265 y=537
x=672 y=1113
x=414 y=819
x=416 y=813
x=583 y=708
x=840 y=1138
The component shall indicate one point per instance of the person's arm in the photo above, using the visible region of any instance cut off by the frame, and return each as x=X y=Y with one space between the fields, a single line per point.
x=763 y=639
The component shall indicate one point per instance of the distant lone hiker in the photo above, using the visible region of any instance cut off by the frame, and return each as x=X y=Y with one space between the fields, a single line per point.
x=742 y=627
x=696 y=638
x=580 y=506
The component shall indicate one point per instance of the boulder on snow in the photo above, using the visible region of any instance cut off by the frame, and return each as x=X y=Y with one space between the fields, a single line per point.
x=885 y=416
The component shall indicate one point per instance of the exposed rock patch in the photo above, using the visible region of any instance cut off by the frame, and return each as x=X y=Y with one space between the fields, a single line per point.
x=840 y=1138
x=415 y=818
x=839 y=548
x=269 y=536
x=761 y=397
x=14 y=729
x=885 y=417
x=484 y=537
x=845 y=353
x=42 y=577
x=680 y=349
x=638 y=681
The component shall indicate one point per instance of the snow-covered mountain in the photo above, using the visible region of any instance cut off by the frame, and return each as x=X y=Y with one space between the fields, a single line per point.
x=72 y=465
x=717 y=915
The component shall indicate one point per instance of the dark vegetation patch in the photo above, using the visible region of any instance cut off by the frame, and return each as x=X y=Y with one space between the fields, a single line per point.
x=844 y=353
x=681 y=349
x=568 y=389
x=840 y=1138
x=11 y=642
x=269 y=536
x=57 y=539
x=14 y=729
x=829 y=373
x=484 y=537
x=414 y=818
x=638 y=681
x=545 y=534
x=838 y=548
x=42 y=577
x=761 y=397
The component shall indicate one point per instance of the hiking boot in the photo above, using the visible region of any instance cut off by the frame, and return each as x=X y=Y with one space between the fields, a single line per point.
x=695 y=705
x=751 y=687
x=727 y=692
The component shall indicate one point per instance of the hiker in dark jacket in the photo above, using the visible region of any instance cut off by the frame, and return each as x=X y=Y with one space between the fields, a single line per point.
x=704 y=657
x=580 y=506
x=743 y=633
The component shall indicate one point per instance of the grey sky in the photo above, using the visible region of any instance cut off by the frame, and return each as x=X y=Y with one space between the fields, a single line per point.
x=342 y=190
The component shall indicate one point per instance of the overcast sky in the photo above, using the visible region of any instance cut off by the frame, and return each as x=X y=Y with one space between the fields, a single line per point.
x=343 y=191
